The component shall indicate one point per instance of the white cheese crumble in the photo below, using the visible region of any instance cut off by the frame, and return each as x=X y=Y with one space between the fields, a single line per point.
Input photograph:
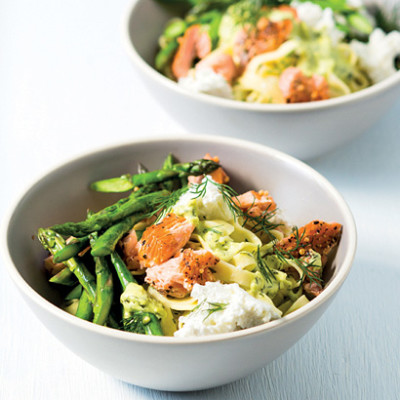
x=224 y=308
x=377 y=56
x=205 y=80
x=319 y=19
x=211 y=205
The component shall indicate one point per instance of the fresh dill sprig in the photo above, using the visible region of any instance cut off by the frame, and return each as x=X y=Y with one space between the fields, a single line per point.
x=307 y=268
x=264 y=268
x=200 y=189
x=215 y=307
x=198 y=306
x=167 y=202
x=262 y=223
x=226 y=191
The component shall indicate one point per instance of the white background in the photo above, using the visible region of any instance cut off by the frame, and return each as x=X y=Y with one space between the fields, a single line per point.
x=67 y=86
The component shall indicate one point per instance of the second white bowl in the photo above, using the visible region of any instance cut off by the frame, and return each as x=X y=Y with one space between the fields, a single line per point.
x=303 y=130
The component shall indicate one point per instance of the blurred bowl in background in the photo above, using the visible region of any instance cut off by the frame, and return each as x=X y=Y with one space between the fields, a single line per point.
x=304 y=130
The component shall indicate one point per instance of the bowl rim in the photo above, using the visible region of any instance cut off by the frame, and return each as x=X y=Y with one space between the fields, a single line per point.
x=156 y=76
x=57 y=312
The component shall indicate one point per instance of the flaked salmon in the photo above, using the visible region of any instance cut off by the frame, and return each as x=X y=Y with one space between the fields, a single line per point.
x=266 y=36
x=298 y=88
x=319 y=236
x=177 y=276
x=163 y=240
x=130 y=250
x=255 y=203
x=195 y=43
x=313 y=288
x=221 y=63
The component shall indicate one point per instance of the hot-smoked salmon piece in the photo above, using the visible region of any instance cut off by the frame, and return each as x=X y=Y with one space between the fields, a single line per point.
x=163 y=240
x=195 y=43
x=221 y=63
x=319 y=236
x=130 y=250
x=177 y=276
x=267 y=36
x=255 y=203
x=298 y=88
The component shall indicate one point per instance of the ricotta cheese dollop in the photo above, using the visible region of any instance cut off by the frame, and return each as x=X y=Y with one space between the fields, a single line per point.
x=224 y=308
x=205 y=80
x=378 y=55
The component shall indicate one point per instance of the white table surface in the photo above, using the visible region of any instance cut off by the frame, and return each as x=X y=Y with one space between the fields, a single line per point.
x=66 y=85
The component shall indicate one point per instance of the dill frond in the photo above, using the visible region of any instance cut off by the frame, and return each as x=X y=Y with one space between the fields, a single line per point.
x=263 y=267
x=166 y=203
x=215 y=307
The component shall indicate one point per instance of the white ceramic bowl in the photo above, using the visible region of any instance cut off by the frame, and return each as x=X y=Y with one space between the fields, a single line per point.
x=170 y=363
x=303 y=130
